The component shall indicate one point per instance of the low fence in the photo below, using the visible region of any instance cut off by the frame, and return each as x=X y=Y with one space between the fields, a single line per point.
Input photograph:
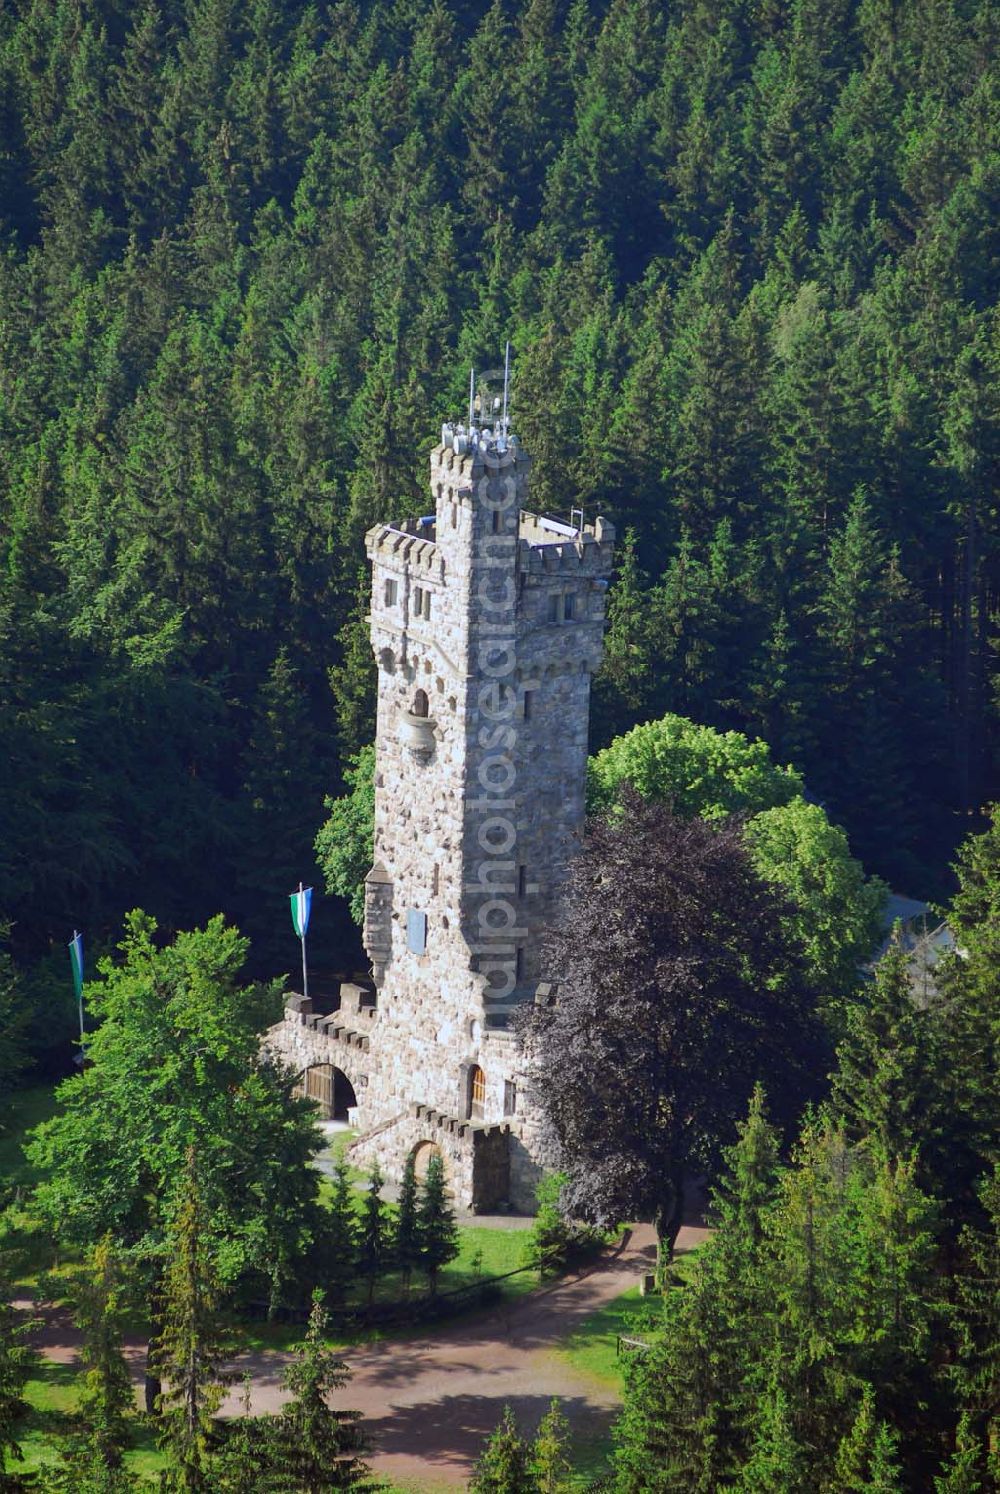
x=423 y=1306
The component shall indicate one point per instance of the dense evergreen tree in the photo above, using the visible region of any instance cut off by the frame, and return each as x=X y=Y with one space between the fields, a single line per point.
x=100 y=1307
x=550 y=1462
x=503 y=1463
x=406 y=1236
x=316 y=1448
x=191 y=1345
x=341 y=1235
x=374 y=1241
x=436 y=1226
x=16 y=1360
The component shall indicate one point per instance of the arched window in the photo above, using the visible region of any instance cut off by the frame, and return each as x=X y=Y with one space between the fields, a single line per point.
x=477 y=1092
x=420 y=703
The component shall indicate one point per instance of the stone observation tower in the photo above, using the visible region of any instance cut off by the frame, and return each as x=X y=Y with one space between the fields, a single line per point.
x=487 y=623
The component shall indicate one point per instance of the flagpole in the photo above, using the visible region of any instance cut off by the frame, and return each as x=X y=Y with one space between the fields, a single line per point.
x=305 y=972
x=79 y=992
x=76 y=965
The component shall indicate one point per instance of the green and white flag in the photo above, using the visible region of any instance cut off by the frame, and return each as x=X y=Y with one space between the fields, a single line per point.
x=76 y=960
x=76 y=963
x=301 y=902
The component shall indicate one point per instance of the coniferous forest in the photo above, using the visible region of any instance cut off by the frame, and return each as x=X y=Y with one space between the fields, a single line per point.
x=746 y=252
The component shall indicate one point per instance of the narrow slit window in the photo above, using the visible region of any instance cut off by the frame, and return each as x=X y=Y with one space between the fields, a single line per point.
x=569 y=606
x=391 y=592
x=529 y=701
x=427 y=604
x=522 y=880
x=519 y=964
x=555 y=612
x=418 y=600
x=509 y=1097
x=497 y=521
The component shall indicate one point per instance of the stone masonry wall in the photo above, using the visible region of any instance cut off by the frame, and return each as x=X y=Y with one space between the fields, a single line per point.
x=487 y=624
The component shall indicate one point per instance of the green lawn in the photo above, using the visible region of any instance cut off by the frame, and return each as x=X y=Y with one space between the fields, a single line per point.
x=53 y=1393
x=593 y=1348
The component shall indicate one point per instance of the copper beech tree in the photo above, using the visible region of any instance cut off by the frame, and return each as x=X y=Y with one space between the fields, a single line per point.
x=677 y=989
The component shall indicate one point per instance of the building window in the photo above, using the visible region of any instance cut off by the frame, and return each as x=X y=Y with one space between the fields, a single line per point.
x=519 y=964
x=522 y=880
x=497 y=521
x=555 y=612
x=418 y=601
x=569 y=606
x=427 y=604
x=421 y=705
x=477 y=1092
x=435 y=880
x=454 y=516
x=391 y=593
x=509 y=1097
x=416 y=931
x=528 y=703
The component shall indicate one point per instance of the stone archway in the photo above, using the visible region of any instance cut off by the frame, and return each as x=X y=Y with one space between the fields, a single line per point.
x=422 y=1154
x=331 y=1090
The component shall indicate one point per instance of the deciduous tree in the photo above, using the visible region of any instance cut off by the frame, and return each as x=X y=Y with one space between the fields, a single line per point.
x=678 y=988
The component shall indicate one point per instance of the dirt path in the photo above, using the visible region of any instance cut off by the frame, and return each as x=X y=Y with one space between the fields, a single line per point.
x=429 y=1402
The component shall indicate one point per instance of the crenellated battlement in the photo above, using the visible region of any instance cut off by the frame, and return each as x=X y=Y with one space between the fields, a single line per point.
x=548 y=547
x=411 y=542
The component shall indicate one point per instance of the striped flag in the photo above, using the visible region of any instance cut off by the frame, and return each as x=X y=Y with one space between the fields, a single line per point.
x=301 y=902
x=76 y=960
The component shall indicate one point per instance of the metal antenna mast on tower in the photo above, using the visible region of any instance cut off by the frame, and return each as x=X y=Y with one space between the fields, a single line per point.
x=506 y=386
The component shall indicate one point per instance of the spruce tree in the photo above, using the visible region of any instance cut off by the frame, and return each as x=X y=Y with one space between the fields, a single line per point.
x=503 y=1463
x=866 y=1458
x=99 y=1313
x=191 y=1347
x=776 y=1462
x=16 y=1360
x=436 y=1223
x=961 y=1473
x=407 y=1233
x=373 y=1234
x=883 y=1085
x=622 y=686
x=975 y=1316
x=749 y=1182
x=315 y=1447
x=341 y=1239
x=549 y=1459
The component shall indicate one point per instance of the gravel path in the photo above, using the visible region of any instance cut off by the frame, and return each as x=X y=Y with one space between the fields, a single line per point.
x=428 y=1402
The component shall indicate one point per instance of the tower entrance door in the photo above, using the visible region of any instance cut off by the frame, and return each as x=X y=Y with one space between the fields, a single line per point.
x=331 y=1090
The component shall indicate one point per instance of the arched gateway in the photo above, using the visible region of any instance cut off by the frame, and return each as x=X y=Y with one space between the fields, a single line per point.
x=330 y=1088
